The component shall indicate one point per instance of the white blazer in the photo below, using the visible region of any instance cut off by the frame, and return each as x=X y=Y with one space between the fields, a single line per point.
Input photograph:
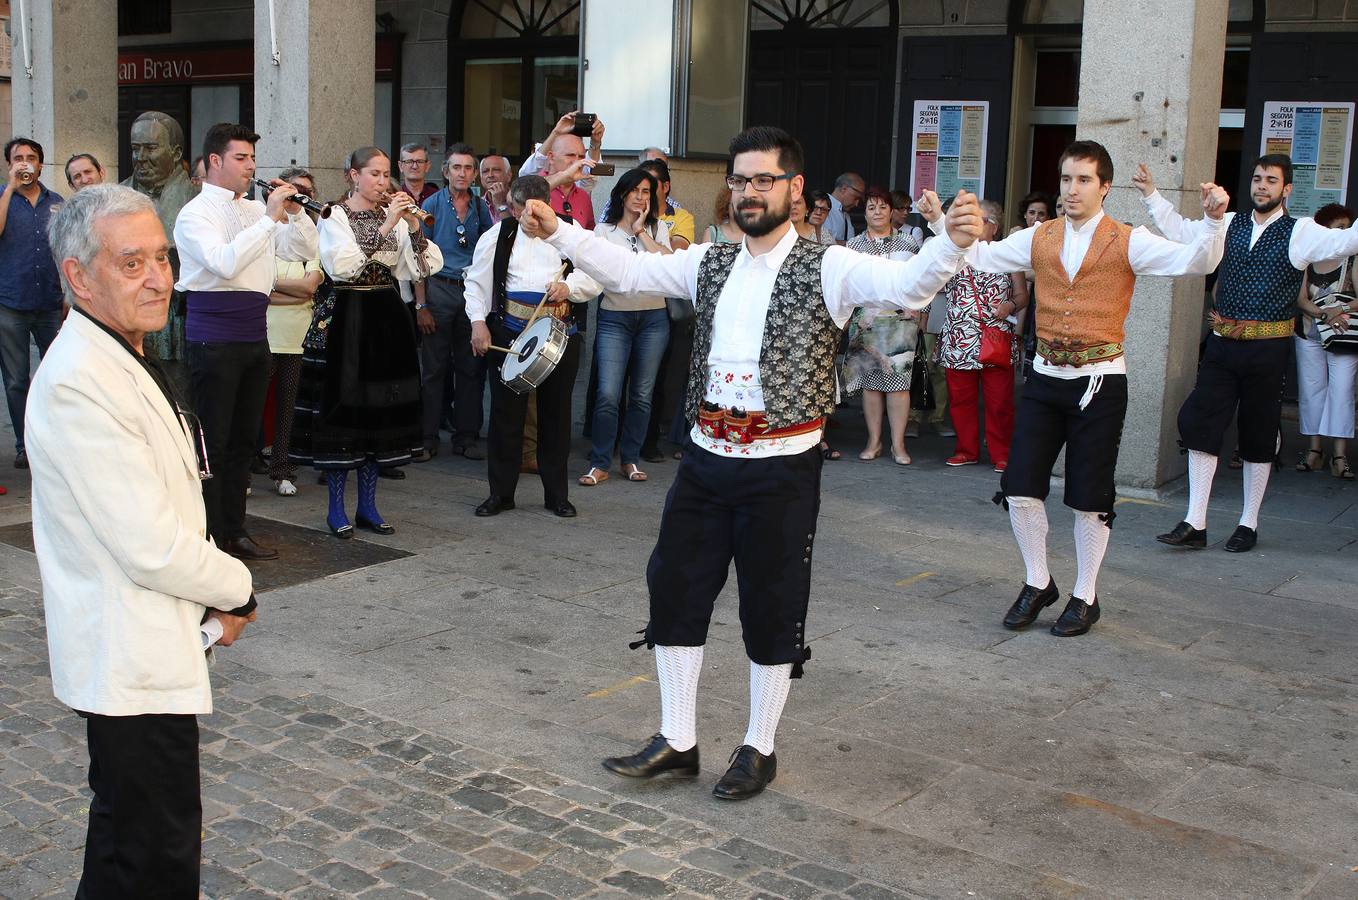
x=119 y=527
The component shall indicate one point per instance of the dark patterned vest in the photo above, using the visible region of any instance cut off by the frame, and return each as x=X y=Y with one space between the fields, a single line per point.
x=796 y=359
x=1258 y=284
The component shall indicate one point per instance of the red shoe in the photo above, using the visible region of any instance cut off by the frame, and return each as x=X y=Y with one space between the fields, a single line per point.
x=1001 y=466
x=958 y=459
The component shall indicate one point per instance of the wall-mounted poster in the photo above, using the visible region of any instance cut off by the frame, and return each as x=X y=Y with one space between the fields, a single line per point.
x=1319 y=137
x=949 y=146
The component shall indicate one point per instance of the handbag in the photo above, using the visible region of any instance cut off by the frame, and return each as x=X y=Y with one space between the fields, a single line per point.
x=921 y=385
x=681 y=309
x=997 y=345
x=1331 y=338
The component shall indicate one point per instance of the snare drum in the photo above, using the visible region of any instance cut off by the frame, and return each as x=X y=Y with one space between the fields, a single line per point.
x=534 y=354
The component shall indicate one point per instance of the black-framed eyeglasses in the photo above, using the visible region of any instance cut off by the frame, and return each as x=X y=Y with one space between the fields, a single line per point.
x=462 y=235
x=762 y=182
x=414 y=162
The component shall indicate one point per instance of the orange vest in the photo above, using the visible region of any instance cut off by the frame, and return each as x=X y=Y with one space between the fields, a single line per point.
x=1088 y=312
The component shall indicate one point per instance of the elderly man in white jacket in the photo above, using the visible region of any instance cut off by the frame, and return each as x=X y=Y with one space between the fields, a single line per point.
x=133 y=591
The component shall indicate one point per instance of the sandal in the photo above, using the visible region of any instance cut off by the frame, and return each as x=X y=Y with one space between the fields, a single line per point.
x=1304 y=464
x=1340 y=470
x=594 y=476
x=828 y=452
x=633 y=472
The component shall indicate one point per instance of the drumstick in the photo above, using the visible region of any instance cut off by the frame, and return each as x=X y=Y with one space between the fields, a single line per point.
x=501 y=349
x=559 y=273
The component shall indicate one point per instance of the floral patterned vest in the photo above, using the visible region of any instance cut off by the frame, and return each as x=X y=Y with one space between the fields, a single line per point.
x=796 y=359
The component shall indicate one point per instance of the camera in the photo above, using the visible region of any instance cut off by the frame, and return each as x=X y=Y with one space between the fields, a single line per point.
x=584 y=124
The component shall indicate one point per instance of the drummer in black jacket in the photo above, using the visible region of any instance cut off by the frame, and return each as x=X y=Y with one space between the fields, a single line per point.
x=505 y=282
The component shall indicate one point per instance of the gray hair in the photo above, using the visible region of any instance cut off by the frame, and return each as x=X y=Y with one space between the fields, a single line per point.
x=71 y=233
x=849 y=180
x=645 y=155
x=529 y=187
x=296 y=172
x=508 y=164
x=994 y=209
x=411 y=148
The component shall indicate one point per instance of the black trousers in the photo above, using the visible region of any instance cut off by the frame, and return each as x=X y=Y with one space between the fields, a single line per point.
x=450 y=343
x=1049 y=417
x=1243 y=375
x=760 y=513
x=504 y=438
x=146 y=817
x=230 y=384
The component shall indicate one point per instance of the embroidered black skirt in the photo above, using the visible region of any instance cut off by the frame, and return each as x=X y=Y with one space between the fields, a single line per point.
x=359 y=397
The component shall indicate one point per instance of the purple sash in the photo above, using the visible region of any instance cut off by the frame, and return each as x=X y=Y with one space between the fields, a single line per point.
x=226 y=317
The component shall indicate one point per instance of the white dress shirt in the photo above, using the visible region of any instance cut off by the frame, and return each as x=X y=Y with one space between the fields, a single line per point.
x=1147 y=253
x=848 y=280
x=837 y=221
x=227 y=243
x=1311 y=243
x=533 y=264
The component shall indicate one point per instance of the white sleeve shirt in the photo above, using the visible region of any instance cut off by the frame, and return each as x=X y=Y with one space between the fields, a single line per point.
x=533 y=264
x=227 y=243
x=1311 y=242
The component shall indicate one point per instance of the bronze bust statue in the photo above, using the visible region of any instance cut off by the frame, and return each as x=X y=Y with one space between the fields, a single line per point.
x=158 y=166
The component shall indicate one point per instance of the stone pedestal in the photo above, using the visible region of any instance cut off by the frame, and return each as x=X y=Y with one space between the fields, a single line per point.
x=315 y=104
x=70 y=104
x=1160 y=106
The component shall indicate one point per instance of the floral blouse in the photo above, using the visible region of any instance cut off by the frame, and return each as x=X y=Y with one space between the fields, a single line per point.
x=959 y=344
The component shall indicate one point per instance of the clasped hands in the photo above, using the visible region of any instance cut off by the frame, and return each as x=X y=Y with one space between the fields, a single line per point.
x=1214 y=196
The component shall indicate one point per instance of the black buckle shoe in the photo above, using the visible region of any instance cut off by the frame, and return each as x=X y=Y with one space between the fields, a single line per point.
x=654 y=759
x=1077 y=618
x=374 y=527
x=1184 y=535
x=1242 y=540
x=750 y=772
x=493 y=506
x=1030 y=604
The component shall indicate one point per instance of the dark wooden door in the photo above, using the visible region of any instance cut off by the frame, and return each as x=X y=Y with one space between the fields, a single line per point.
x=832 y=89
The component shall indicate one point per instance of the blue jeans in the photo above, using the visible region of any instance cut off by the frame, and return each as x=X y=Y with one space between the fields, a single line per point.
x=17 y=328
x=626 y=345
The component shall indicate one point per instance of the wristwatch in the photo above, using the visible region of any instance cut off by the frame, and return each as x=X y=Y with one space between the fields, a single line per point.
x=421 y=306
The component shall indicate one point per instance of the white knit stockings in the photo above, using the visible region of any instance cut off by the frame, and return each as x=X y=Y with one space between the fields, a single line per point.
x=769 y=686
x=677 y=669
x=1091 y=541
x=1028 y=517
x=1256 y=482
x=1202 y=468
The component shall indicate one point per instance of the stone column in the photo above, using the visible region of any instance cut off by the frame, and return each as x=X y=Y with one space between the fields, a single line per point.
x=1157 y=105
x=70 y=103
x=315 y=104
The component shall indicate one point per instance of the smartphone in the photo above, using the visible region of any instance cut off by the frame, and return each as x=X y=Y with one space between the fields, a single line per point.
x=584 y=124
x=600 y=168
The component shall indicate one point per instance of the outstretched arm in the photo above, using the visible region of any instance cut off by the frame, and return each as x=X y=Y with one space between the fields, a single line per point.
x=615 y=268
x=1168 y=220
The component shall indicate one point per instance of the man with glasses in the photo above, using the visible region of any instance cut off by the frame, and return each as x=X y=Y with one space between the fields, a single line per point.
x=414 y=162
x=460 y=218
x=770 y=313
x=844 y=199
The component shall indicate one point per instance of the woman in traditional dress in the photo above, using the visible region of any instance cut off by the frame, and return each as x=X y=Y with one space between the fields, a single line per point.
x=358 y=406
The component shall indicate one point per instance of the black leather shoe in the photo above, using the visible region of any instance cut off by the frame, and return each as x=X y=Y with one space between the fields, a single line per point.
x=563 y=508
x=374 y=527
x=425 y=454
x=470 y=451
x=245 y=548
x=391 y=472
x=1242 y=540
x=493 y=506
x=652 y=454
x=1184 y=535
x=21 y=460
x=1030 y=604
x=654 y=759
x=344 y=532
x=1077 y=618
x=750 y=772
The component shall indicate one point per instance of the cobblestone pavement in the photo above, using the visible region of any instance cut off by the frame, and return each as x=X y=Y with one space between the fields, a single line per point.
x=307 y=797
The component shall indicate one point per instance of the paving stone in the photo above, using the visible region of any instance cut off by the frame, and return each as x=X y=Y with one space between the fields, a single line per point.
x=271 y=875
x=558 y=882
x=343 y=877
x=819 y=875
x=504 y=859
x=636 y=885
x=646 y=863
x=721 y=863
x=588 y=840
x=707 y=884
x=488 y=879
x=592 y=818
x=757 y=854
x=782 y=886
x=526 y=817
x=406 y=874
x=294 y=855
x=479 y=800
x=386 y=838
x=642 y=815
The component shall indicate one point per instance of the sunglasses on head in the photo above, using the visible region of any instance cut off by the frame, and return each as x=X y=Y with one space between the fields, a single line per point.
x=462 y=235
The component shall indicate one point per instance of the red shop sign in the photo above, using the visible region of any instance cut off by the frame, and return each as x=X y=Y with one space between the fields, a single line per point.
x=200 y=65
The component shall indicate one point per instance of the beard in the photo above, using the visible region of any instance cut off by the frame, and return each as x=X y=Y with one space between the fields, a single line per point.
x=756 y=218
x=1267 y=206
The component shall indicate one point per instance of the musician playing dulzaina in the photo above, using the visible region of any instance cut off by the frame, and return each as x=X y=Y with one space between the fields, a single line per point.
x=770 y=312
x=504 y=285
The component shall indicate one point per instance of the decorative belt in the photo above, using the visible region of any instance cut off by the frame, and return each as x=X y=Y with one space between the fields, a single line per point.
x=524 y=311
x=739 y=426
x=1250 y=329
x=1076 y=356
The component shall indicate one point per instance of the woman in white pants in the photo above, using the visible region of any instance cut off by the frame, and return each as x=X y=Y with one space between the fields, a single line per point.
x=1325 y=379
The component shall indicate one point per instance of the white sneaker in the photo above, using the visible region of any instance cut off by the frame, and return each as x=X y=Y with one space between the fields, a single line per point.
x=285 y=488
